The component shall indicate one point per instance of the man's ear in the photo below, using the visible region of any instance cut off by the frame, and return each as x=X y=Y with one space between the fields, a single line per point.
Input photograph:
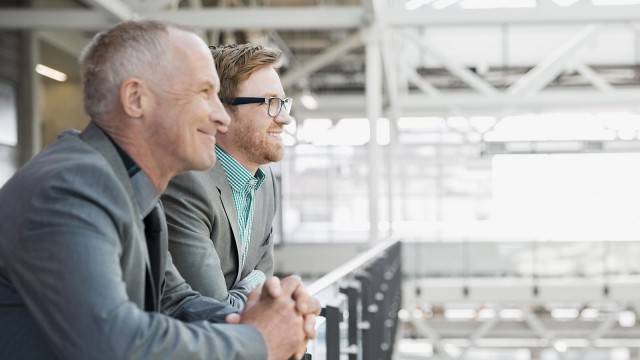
x=132 y=96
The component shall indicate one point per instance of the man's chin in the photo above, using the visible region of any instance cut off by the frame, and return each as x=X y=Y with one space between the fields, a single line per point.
x=206 y=165
x=275 y=156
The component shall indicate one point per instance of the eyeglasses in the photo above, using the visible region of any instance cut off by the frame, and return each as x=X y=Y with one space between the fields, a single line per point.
x=274 y=104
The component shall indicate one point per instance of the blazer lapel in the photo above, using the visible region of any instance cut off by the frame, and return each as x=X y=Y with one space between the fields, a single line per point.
x=257 y=228
x=97 y=139
x=226 y=197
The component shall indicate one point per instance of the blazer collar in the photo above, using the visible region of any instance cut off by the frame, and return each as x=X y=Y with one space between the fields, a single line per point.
x=226 y=197
x=136 y=182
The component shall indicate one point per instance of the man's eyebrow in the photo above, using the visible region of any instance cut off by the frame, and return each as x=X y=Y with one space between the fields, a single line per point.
x=208 y=84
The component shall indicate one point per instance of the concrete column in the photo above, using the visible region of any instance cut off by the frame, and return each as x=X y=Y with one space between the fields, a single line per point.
x=374 y=109
x=29 y=125
x=393 y=113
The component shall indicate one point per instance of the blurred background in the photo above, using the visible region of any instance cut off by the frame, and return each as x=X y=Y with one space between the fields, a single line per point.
x=495 y=142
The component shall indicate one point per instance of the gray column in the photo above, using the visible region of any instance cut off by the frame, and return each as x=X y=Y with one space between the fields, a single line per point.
x=29 y=126
x=393 y=113
x=374 y=110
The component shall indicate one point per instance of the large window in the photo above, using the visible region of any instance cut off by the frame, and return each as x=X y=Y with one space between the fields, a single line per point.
x=547 y=176
x=567 y=196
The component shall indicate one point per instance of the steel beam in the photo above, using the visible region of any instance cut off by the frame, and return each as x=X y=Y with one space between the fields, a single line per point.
x=326 y=17
x=116 y=8
x=550 y=67
x=422 y=84
x=596 y=80
x=340 y=106
x=327 y=57
x=68 y=41
x=72 y=19
x=427 y=16
x=538 y=328
x=459 y=70
x=481 y=332
x=602 y=329
x=428 y=332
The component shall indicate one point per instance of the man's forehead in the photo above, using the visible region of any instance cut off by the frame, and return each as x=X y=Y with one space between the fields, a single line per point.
x=264 y=81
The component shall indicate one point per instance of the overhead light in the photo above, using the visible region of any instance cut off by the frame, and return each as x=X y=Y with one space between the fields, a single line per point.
x=627 y=319
x=460 y=314
x=486 y=313
x=308 y=100
x=51 y=73
x=564 y=314
x=590 y=314
x=511 y=314
x=403 y=314
x=561 y=346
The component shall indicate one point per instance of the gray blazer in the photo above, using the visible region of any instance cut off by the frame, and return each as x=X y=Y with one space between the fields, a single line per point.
x=204 y=235
x=75 y=270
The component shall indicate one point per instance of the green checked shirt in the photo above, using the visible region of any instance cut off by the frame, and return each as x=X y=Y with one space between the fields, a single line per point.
x=243 y=186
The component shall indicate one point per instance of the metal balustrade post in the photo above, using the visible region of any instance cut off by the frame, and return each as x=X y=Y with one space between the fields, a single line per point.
x=352 y=329
x=334 y=317
x=377 y=310
x=367 y=316
x=393 y=275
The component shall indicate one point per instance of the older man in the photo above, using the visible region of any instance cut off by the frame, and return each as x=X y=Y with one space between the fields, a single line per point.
x=220 y=220
x=84 y=267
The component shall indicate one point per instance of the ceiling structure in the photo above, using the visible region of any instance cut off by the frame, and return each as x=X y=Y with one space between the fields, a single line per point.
x=428 y=59
x=424 y=57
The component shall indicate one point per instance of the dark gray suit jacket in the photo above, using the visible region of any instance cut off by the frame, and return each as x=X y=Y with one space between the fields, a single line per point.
x=204 y=235
x=75 y=270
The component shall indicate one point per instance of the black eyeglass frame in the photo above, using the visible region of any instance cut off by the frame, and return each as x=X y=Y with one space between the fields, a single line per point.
x=264 y=100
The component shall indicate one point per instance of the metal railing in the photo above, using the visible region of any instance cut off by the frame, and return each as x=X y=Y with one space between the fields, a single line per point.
x=362 y=300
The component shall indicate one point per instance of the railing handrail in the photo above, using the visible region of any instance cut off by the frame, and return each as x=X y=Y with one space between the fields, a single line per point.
x=349 y=267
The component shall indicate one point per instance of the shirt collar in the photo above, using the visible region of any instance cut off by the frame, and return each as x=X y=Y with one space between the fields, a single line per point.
x=239 y=177
x=145 y=194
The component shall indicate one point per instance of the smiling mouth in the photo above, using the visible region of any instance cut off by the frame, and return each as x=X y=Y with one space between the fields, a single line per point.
x=275 y=135
x=211 y=136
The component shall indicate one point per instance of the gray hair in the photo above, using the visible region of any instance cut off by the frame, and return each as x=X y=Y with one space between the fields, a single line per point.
x=130 y=49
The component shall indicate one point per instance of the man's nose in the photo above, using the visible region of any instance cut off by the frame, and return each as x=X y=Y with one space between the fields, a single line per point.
x=284 y=117
x=219 y=116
